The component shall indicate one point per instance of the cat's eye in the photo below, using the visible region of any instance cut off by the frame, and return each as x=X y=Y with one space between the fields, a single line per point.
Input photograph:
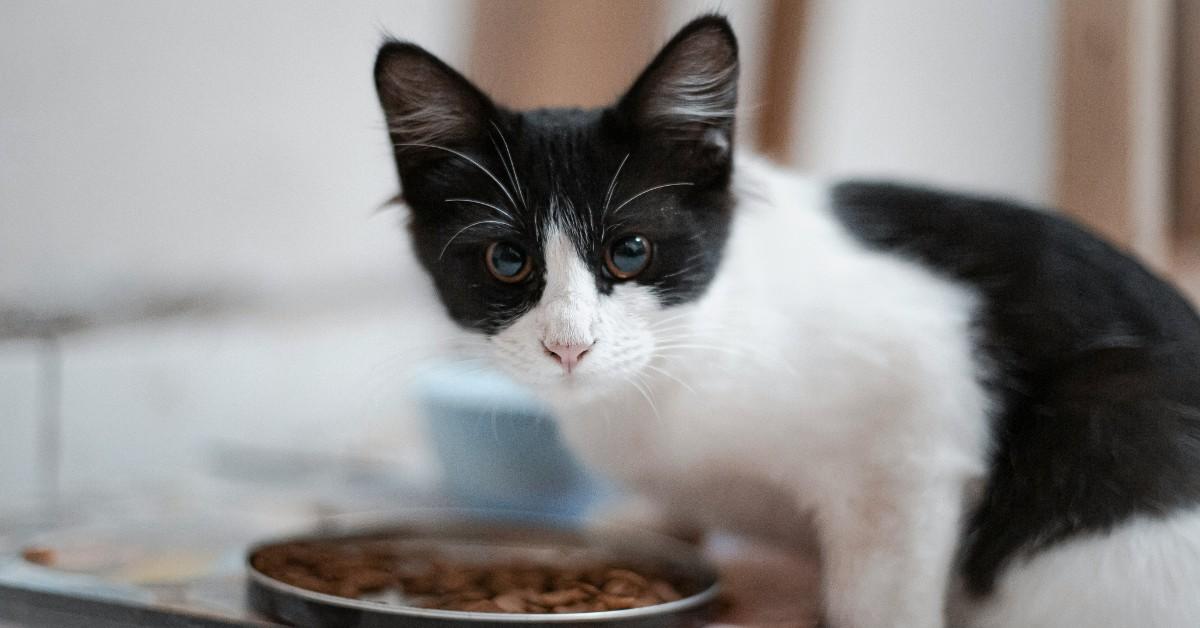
x=628 y=256
x=507 y=262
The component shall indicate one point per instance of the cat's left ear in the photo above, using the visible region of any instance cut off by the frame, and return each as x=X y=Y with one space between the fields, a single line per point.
x=688 y=93
x=429 y=107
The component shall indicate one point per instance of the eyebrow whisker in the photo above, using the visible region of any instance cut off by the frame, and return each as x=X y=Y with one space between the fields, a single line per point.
x=477 y=202
x=647 y=191
x=613 y=186
x=512 y=165
x=472 y=161
x=461 y=231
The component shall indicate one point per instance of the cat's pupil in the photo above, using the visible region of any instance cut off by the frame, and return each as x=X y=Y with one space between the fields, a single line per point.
x=507 y=260
x=629 y=255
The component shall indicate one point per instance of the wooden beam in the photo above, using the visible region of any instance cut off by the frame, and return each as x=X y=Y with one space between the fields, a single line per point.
x=1094 y=116
x=1187 y=120
x=553 y=53
x=786 y=34
x=1114 y=146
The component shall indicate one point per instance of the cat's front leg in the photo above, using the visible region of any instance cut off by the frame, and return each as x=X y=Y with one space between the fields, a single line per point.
x=887 y=550
x=640 y=512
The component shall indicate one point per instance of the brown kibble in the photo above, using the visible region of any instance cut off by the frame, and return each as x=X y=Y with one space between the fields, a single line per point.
x=595 y=576
x=624 y=574
x=500 y=581
x=43 y=556
x=621 y=588
x=313 y=583
x=350 y=569
x=346 y=589
x=511 y=602
x=470 y=595
x=646 y=600
x=591 y=590
x=618 y=602
x=418 y=585
x=530 y=579
x=371 y=579
x=664 y=591
x=562 y=597
x=529 y=595
x=453 y=580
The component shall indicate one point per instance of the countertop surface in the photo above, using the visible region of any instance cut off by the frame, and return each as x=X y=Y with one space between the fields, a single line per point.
x=173 y=561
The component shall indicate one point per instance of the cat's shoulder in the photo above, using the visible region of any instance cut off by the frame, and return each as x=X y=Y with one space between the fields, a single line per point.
x=982 y=238
x=888 y=213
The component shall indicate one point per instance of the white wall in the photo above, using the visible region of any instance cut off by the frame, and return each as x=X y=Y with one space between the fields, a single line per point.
x=954 y=92
x=144 y=145
x=160 y=148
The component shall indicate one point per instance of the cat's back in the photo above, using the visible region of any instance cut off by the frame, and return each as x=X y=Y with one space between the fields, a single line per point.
x=1094 y=363
x=1050 y=289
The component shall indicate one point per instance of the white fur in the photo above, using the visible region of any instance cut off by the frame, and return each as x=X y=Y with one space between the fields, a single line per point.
x=1144 y=573
x=815 y=381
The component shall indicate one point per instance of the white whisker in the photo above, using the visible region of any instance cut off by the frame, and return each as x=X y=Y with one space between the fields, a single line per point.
x=686 y=331
x=474 y=224
x=472 y=161
x=647 y=191
x=645 y=395
x=664 y=373
x=471 y=200
x=613 y=186
x=516 y=181
x=669 y=319
x=681 y=271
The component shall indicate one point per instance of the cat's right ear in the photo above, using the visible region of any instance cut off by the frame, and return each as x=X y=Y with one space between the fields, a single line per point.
x=428 y=106
x=688 y=94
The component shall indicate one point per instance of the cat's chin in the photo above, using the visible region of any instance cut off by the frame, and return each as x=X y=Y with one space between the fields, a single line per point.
x=576 y=389
x=566 y=400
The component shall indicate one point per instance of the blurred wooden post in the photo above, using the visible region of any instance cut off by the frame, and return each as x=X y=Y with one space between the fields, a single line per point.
x=556 y=53
x=1187 y=121
x=786 y=35
x=1115 y=118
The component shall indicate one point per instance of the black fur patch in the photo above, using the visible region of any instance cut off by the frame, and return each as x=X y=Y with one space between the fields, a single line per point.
x=473 y=172
x=1099 y=367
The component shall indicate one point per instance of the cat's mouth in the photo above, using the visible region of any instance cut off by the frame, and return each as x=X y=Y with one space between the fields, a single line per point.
x=595 y=373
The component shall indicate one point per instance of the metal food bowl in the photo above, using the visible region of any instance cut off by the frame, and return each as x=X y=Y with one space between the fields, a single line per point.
x=496 y=539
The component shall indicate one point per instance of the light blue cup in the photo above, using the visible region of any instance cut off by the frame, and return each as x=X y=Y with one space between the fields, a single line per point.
x=499 y=448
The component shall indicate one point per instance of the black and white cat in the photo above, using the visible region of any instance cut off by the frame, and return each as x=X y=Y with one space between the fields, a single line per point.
x=991 y=416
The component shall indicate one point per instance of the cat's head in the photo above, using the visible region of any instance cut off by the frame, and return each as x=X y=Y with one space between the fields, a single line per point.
x=567 y=239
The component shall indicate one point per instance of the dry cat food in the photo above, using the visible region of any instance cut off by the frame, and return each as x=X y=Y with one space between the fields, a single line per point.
x=43 y=556
x=428 y=578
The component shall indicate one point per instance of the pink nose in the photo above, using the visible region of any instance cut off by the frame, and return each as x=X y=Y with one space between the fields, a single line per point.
x=568 y=355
